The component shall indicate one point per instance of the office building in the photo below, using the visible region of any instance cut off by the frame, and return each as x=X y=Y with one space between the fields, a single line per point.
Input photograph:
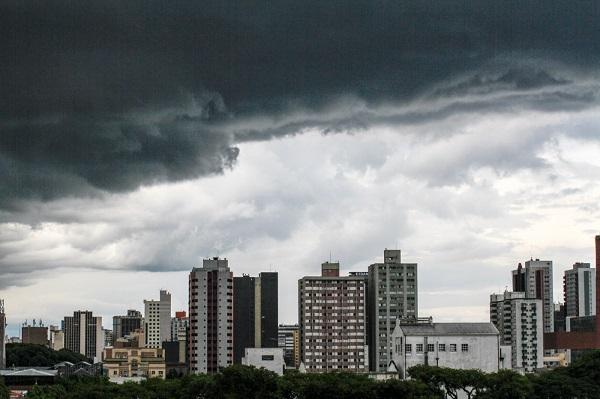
x=579 y=287
x=267 y=358
x=83 y=334
x=535 y=280
x=211 y=317
x=157 y=320
x=333 y=326
x=519 y=321
x=451 y=345
x=2 y=335
x=124 y=325
x=108 y=337
x=254 y=313
x=34 y=334
x=289 y=341
x=392 y=295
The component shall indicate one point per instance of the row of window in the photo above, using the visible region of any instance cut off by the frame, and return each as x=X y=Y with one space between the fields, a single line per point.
x=431 y=348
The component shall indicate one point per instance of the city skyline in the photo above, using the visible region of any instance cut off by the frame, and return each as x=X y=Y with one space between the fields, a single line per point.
x=14 y=330
x=282 y=135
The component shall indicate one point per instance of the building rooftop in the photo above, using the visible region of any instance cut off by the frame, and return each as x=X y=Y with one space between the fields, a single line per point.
x=449 y=329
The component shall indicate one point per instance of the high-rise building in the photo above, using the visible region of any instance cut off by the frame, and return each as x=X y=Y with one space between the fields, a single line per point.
x=57 y=338
x=517 y=318
x=392 y=295
x=157 y=320
x=124 y=325
x=333 y=322
x=211 y=317
x=83 y=334
x=579 y=285
x=179 y=326
x=34 y=334
x=289 y=340
x=255 y=312
x=2 y=335
x=535 y=280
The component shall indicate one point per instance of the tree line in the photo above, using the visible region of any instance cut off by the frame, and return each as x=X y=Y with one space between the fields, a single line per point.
x=579 y=380
x=32 y=355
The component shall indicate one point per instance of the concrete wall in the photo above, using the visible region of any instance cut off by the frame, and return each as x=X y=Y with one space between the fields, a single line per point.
x=267 y=358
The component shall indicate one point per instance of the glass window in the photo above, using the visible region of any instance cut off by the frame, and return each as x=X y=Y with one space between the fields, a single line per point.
x=430 y=347
x=419 y=348
x=452 y=347
x=464 y=347
x=408 y=348
x=442 y=347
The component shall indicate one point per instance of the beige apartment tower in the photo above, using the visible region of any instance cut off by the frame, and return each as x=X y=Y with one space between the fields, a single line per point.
x=333 y=323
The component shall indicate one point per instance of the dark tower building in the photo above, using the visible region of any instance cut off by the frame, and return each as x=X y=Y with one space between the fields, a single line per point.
x=255 y=323
x=124 y=325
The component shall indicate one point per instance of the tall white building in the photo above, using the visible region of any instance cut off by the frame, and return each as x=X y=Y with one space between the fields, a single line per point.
x=579 y=285
x=452 y=345
x=519 y=322
x=210 y=317
x=333 y=321
x=83 y=334
x=157 y=320
x=535 y=280
x=392 y=295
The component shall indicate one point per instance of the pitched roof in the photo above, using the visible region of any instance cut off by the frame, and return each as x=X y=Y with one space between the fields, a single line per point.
x=449 y=329
x=31 y=372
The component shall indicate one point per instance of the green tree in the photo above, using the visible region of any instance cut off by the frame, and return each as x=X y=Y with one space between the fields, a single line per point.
x=506 y=384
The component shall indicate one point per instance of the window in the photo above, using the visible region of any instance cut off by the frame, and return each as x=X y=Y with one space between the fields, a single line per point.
x=268 y=357
x=452 y=347
x=419 y=348
x=464 y=347
x=408 y=348
x=442 y=347
x=430 y=347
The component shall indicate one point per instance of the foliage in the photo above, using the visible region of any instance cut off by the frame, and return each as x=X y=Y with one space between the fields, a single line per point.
x=32 y=355
x=240 y=382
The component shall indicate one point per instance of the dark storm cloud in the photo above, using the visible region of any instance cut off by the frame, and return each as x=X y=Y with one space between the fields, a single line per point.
x=110 y=95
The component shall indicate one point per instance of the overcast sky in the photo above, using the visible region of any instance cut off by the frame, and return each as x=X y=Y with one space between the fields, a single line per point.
x=138 y=137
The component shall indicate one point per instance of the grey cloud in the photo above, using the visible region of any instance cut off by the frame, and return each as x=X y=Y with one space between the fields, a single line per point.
x=76 y=75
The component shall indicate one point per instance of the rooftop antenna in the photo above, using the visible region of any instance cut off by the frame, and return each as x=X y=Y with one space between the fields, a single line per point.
x=329 y=256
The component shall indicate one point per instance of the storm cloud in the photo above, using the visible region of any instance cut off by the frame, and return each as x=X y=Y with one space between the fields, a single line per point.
x=107 y=96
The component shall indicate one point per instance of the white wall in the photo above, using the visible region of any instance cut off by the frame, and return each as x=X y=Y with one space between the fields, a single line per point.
x=255 y=357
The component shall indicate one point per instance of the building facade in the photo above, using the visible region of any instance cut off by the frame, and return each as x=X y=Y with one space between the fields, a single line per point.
x=34 y=334
x=255 y=313
x=124 y=325
x=157 y=320
x=134 y=362
x=83 y=334
x=579 y=287
x=392 y=294
x=452 y=345
x=268 y=358
x=2 y=335
x=332 y=321
x=535 y=280
x=179 y=326
x=519 y=321
x=211 y=317
x=289 y=340
x=57 y=338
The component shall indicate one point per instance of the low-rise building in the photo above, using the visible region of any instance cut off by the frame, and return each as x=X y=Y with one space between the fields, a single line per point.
x=267 y=358
x=134 y=362
x=452 y=345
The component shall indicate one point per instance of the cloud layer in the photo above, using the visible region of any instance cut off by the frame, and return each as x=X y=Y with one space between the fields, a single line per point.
x=109 y=96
